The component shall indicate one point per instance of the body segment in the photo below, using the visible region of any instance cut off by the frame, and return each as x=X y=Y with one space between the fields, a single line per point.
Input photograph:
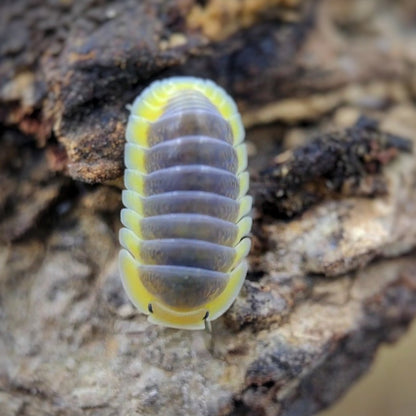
x=187 y=212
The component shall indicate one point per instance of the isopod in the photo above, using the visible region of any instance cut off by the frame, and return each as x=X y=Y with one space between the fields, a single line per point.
x=187 y=215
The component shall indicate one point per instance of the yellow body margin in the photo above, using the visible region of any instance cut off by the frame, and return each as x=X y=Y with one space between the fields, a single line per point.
x=147 y=109
x=132 y=284
x=192 y=319
x=149 y=106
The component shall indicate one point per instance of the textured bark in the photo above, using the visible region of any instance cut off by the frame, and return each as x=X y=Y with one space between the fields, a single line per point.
x=327 y=91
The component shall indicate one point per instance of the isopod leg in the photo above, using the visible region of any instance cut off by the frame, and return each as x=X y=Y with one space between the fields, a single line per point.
x=208 y=326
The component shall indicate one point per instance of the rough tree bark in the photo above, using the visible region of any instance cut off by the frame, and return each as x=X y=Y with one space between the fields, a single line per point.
x=327 y=90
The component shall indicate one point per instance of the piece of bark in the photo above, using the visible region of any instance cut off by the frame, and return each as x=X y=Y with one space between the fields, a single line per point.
x=332 y=165
x=329 y=281
x=28 y=187
x=95 y=59
x=73 y=68
x=294 y=340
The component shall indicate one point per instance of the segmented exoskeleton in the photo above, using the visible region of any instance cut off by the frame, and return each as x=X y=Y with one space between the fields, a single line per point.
x=187 y=212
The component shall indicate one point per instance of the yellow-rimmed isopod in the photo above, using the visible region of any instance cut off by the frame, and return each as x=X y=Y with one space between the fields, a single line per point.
x=186 y=213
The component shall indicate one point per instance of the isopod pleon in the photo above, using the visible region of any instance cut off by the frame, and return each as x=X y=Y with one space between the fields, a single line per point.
x=187 y=215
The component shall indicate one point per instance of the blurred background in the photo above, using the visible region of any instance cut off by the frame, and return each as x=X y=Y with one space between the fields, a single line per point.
x=389 y=388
